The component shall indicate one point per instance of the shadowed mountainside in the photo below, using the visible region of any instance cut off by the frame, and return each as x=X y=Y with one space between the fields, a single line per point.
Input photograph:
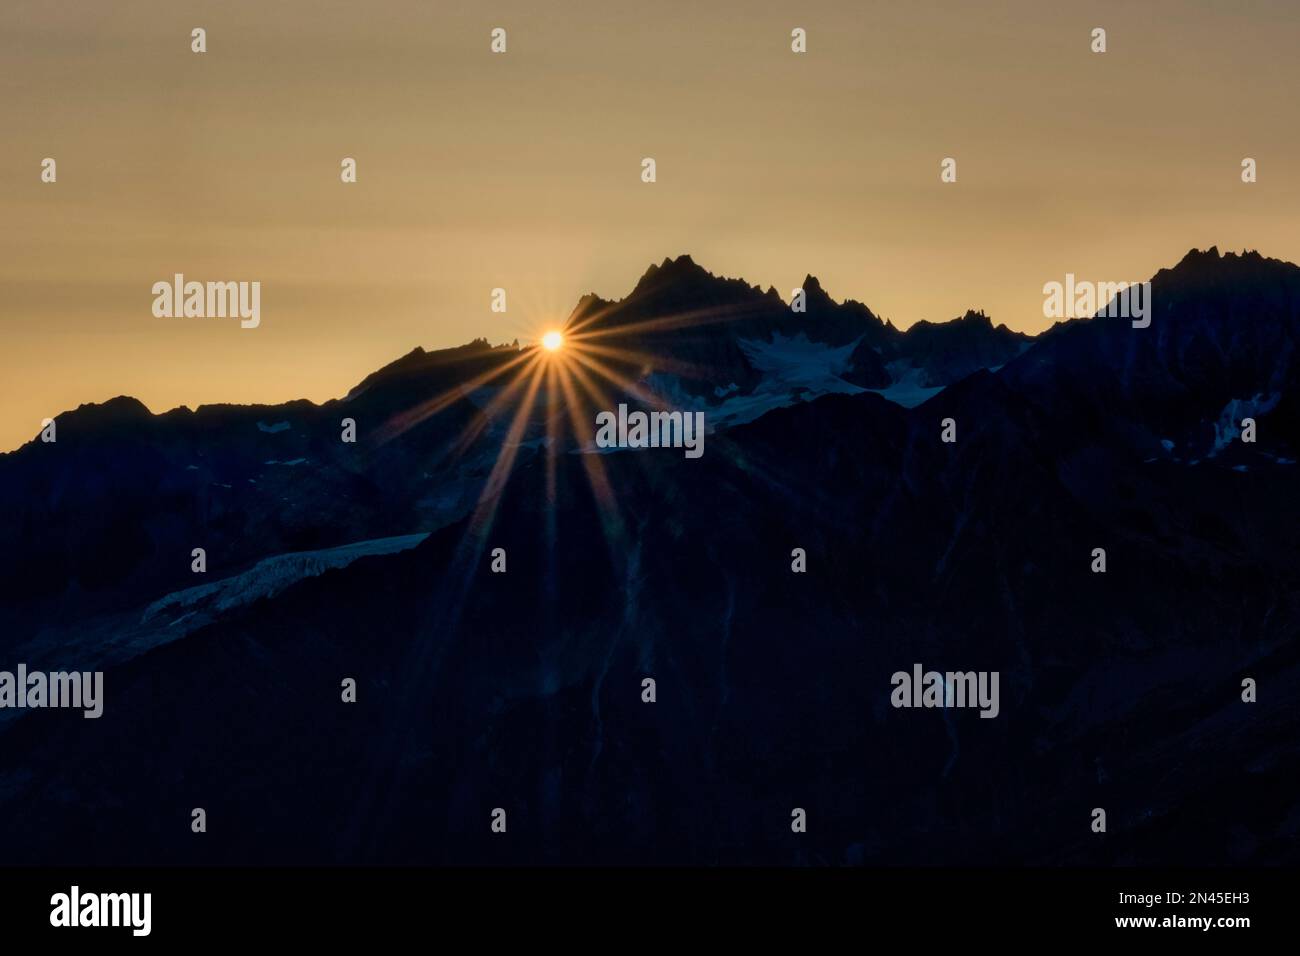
x=523 y=690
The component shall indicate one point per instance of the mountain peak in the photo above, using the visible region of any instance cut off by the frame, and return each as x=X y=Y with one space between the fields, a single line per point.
x=814 y=293
x=976 y=317
x=1210 y=267
x=1196 y=259
x=123 y=408
x=674 y=282
x=673 y=269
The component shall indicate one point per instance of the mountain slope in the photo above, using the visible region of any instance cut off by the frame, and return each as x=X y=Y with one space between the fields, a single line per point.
x=523 y=690
x=114 y=509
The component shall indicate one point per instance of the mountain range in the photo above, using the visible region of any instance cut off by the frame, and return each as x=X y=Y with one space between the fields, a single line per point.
x=523 y=690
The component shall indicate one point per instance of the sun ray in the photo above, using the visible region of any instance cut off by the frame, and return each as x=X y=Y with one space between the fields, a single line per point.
x=572 y=328
x=593 y=463
x=611 y=518
x=407 y=419
x=592 y=388
x=488 y=412
x=634 y=357
x=635 y=389
x=485 y=511
x=711 y=315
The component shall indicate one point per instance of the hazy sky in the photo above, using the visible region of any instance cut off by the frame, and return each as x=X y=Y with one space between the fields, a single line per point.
x=522 y=170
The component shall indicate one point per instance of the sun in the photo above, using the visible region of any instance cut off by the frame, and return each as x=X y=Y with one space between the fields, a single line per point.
x=566 y=372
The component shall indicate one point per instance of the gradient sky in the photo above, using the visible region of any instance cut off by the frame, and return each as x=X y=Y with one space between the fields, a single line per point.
x=523 y=170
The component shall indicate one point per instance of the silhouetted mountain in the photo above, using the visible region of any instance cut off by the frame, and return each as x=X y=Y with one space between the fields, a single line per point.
x=1221 y=347
x=113 y=508
x=703 y=330
x=118 y=503
x=523 y=690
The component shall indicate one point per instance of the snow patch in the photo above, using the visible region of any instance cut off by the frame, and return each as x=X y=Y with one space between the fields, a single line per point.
x=793 y=370
x=1228 y=426
x=267 y=578
x=907 y=387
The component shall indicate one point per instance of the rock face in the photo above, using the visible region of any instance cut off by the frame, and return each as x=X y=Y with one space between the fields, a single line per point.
x=523 y=690
x=692 y=324
x=111 y=508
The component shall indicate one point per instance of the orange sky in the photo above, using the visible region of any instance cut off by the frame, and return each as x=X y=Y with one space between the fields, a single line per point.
x=522 y=170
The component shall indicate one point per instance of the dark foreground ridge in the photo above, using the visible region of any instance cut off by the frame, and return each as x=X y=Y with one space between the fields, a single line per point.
x=524 y=690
